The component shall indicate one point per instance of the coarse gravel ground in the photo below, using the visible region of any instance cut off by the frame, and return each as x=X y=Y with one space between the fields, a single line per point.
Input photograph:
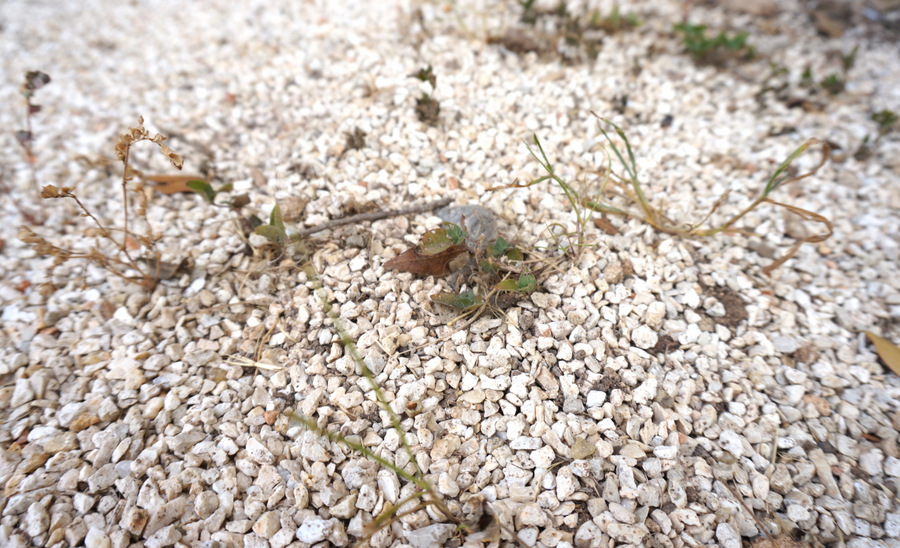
x=652 y=392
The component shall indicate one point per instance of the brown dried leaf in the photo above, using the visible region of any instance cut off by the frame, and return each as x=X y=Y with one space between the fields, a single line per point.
x=175 y=159
x=887 y=351
x=173 y=184
x=603 y=224
x=415 y=261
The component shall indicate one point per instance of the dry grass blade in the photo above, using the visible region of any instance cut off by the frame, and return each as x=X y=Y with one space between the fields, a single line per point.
x=806 y=216
x=247 y=362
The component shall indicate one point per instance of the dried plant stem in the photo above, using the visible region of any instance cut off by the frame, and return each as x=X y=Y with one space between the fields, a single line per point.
x=125 y=177
x=120 y=262
x=375 y=216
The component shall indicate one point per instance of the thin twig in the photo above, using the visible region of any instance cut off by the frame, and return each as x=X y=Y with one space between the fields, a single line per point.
x=375 y=216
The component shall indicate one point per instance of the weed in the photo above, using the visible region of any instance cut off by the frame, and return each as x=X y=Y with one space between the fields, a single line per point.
x=34 y=80
x=209 y=193
x=848 y=60
x=425 y=491
x=615 y=21
x=428 y=109
x=781 y=177
x=627 y=186
x=574 y=37
x=833 y=84
x=132 y=256
x=436 y=242
x=714 y=50
x=806 y=78
x=886 y=120
x=529 y=13
x=354 y=140
x=576 y=201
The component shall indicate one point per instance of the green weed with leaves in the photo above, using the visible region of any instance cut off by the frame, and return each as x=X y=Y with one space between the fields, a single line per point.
x=425 y=495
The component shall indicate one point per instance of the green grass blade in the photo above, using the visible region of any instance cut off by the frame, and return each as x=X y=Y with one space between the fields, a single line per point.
x=780 y=177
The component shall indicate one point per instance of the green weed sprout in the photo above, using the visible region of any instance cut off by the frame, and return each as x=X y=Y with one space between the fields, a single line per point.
x=631 y=188
x=886 y=120
x=209 y=193
x=716 y=49
x=575 y=199
x=425 y=490
x=277 y=232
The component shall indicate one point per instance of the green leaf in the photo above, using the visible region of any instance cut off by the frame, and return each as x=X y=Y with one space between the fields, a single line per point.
x=275 y=218
x=255 y=222
x=436 y=241
x=488 y=267
x=227 y=187
x=508 y=285
x=461 y=301
x=204 y=189
x=272 y=233
x=527 y=283
x=513 y=254
x=498 y=248
x=456 y=233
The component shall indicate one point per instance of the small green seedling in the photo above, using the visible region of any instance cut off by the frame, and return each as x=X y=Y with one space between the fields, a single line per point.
x=524 y=285
x=615 y=21
x=275 y=231
x=833 y=84
x=886 y=120
x=428 y=109
x=716 y=49
x=209 y=193
x=427 y=75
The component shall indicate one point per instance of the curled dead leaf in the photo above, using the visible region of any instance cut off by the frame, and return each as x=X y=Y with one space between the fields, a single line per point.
x=417 y=262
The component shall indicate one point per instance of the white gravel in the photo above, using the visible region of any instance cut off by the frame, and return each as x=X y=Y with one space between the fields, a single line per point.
x=628 y=400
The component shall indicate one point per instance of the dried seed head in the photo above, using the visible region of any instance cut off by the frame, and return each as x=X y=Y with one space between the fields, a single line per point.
x=29 y=236
x=34 y=79
x=50 y=191
x=176 y=160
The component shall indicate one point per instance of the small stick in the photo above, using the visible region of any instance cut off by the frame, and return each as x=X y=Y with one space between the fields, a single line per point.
x=375 y=216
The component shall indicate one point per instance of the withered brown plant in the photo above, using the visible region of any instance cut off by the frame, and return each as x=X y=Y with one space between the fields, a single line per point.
x=34 y=80
x=132 y=256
